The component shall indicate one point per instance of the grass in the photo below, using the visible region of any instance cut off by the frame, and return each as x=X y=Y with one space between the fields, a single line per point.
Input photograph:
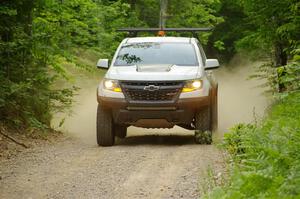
x=265 y=157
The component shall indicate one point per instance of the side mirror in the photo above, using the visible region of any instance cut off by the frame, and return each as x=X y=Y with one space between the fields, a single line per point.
x=211 y=64
x=103 y=63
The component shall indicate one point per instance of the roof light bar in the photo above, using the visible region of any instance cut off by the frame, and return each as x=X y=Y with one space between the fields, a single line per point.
x=135 y=31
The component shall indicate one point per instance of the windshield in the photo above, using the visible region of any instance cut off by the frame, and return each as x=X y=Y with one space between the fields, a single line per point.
x=181 y=54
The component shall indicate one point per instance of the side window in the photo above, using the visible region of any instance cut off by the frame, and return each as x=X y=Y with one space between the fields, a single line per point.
x=202 y=53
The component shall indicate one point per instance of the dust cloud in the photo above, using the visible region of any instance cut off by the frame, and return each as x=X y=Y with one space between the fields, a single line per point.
x=240 y=100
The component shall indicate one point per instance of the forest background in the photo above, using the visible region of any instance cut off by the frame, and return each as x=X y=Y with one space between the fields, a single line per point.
x=38 y=38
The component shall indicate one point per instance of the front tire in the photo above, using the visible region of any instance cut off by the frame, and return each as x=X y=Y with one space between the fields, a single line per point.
x=105 y=131
x=203 y=130
x=214 y=109
x=206 y=120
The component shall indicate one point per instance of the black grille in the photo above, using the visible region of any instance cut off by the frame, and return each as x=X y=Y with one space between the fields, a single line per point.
x=157 y=91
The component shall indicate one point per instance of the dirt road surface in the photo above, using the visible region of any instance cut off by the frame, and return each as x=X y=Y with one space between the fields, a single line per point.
x=147 y=164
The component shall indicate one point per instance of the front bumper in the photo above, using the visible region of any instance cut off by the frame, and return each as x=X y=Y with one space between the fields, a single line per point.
x=180 y=112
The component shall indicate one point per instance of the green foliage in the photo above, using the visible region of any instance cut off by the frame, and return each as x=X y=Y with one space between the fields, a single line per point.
x=37 y=39
x=268 y=155
x=197 y=13
x=261 y=28
x=233 y=139
x=219 y=45
x=276 y=25
x=232 y=29
x=114 y=15
x=288 y=76
x=203 y=137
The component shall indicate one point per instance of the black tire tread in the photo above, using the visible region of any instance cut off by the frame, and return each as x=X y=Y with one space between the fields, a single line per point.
x=203 y=119
x=105 y=131
x=203 y=126
x=214 y=109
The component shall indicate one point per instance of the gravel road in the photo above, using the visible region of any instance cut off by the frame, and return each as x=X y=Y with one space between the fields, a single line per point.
x=138 y=167
x=147 y=164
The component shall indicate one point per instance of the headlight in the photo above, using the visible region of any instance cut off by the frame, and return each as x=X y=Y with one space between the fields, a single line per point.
x=112 y=85
x=192 y=86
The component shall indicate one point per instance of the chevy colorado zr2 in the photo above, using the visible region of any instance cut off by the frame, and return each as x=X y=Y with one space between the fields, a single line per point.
x=157 y=82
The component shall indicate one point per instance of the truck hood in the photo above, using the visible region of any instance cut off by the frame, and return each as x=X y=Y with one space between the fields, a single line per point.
x=154 y=72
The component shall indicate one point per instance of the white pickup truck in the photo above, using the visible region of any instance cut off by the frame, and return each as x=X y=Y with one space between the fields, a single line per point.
x=157 y=82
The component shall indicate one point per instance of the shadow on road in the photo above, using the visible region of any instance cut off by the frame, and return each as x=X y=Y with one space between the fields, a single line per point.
x=156 y=140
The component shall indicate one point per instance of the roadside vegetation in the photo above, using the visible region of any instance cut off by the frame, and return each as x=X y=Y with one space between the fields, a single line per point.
x=264 y=157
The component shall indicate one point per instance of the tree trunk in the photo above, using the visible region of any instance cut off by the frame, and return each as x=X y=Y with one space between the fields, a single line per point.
x=133 y=4
x=24 y=16
x=280 y=60
x=163 y=13
x=280 y=55
x=24 y=11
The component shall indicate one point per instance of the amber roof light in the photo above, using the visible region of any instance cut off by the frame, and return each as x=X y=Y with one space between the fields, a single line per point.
x=161 y=33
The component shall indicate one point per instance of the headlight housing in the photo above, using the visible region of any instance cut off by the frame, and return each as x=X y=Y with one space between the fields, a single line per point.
x=192 y=85
x=112 y=85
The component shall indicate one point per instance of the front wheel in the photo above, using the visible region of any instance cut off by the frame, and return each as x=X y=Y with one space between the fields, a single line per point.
x=105 y=131
x=203 y=130
x=214 y=109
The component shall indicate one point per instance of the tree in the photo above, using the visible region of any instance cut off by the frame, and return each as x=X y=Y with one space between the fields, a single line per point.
x=222 y=42
x=196 y=13
x=37 y=38
x=277 y=30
